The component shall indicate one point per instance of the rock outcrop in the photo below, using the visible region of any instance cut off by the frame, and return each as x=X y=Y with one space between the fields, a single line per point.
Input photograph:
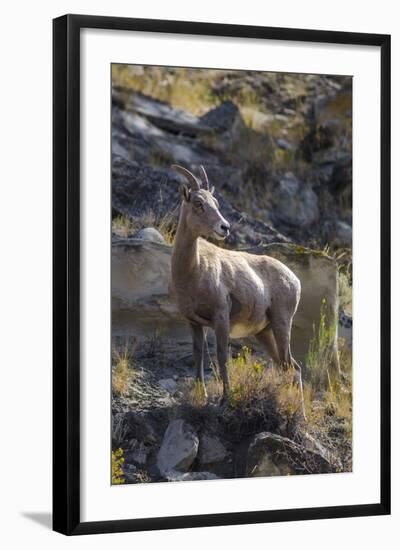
x=142 y=305
x=273 y=455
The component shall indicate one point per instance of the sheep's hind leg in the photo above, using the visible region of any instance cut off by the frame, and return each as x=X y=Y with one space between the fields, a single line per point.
x=221 y=328
x=198 y=338
x=267 y=340
x=281 y=328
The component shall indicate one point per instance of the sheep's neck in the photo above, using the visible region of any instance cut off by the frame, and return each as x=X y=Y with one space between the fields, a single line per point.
x=185 y=256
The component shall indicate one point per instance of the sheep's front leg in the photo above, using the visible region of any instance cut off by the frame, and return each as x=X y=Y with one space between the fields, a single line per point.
x=198 y=355
x=221 y=327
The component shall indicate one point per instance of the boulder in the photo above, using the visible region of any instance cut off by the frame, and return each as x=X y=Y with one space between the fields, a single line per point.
x=211 y=450
x=225 y=118
x=295 y=202
x=178 y=449
x=141 y=304
x=150 y=234
x=273 y=455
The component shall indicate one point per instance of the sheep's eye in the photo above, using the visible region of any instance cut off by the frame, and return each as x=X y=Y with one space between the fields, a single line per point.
x=199 y=205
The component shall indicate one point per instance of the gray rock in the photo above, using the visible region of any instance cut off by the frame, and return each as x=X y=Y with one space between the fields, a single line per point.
x=312 y=444
x=137 y=451
x=345 y=329
x=178 y=449
x=298 y=202
x=150 y=234
x=271 y=455
x=284 y=144
x=344 y=234
x=265 y=467
x=281 y=118
x=145 y=394
x=130 y=473
x=159 y=113
x=225 y=117
x=190 y=476
x=168 y=384
x=211 y=450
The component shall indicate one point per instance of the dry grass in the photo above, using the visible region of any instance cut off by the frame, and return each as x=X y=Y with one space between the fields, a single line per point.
x=127 y=226
x=175 y=86
x=188 y=89
x=345 y=288
x=339 y=393
x=328 y=395
x=121 y=371
x=167 y=225
x=142 y=476
x=248 y=377
x=253 y=382
x=122 y=226
x=161 y=158
x=345 y=291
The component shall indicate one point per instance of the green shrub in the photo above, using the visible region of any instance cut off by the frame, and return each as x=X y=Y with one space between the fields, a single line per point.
x=321 y=352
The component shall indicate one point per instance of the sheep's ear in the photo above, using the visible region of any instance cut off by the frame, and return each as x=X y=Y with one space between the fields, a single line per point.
x=185 y=192
x=212 y=189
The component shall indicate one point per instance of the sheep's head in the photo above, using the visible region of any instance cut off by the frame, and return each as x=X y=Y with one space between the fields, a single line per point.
x=201 y=207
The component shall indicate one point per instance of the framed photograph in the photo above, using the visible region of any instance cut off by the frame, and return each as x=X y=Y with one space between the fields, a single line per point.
x=221 y=274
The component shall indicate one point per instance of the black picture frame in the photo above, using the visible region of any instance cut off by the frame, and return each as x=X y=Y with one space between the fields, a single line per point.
x=66 y=273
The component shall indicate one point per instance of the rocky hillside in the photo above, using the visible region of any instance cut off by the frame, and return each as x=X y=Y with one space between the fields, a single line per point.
x=277 y=148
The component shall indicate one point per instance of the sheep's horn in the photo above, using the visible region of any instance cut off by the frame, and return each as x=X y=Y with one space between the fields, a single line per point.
x=192 y=179
x=205 y=177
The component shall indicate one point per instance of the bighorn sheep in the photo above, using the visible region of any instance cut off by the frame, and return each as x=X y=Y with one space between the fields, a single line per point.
x=235 y=293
